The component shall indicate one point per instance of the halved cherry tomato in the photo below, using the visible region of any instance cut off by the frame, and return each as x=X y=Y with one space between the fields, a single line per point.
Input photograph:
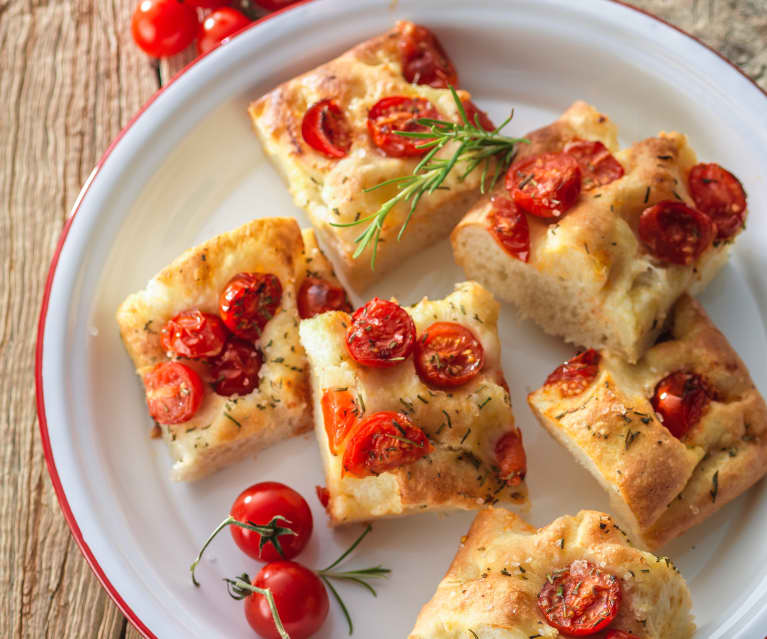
x=235 y=370
x=619 y=634
x=259 y=504
x=173 y=392
x=340 y=414
x=424 y=61
x=383 y=441
x=219 y=25
x=598 y=165
x=163 y=27
x=194 y=334
x=545 y=185
x=323 y=494
x=399 y=113
x=318 y=296
x=326 y=129
x=511 y=457
x=679 y=400
x=381 y=334
x=248 y=302
x=509 y=227
x=448 y=355
x=580 y=600
x=674 y=232
x=577 y=374
x=300 y=598
x=720 y=195
x=474 y=114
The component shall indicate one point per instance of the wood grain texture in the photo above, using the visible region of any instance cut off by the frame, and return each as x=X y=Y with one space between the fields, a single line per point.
x=70 y=79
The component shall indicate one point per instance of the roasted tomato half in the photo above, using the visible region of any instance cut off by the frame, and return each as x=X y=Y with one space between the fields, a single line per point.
x=326 y=129
x=248 y=302
x=720 y=195
x=424 y=61
x=511 y=457
x=509 y=227
x=381 y=334
x=399 y=113
x=577 y=374
x=340 y=413
x=598 y=165
x=679 y=400
x=194 y=334
x=545 y=185
x=318 y=296
x=673 y=232
x=235 y=370
x=173 y=392
x=448 y=355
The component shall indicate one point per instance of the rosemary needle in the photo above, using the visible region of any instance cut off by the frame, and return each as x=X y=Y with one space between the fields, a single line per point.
x=475 y=147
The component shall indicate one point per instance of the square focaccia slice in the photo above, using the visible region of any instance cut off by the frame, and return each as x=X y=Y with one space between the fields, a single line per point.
x=671 y=438
x=577 y=576
x=330 y=132
x=214 y=338
x=411 y=408
x=601 y=258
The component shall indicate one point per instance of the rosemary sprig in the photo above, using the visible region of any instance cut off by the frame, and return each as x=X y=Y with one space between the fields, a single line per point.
x=475 y=147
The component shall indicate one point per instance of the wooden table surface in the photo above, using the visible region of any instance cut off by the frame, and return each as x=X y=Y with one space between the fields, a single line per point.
x=70 y=79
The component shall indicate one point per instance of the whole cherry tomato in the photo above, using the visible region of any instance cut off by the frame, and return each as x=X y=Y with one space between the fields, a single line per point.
x=383 y=441
x=511 y=457
x=577 y=374
x=673 y=232
x=381 y=334
x=235 y=369
x=580 y=600
x=299 y=596
x=318 y=296
x=219 y=25
x=510 y=227
x=448 y=355
x=545 y=185
x=340 y=414
x=720 y=195
x=194 y=334
x=399 y=113
x=325 y=128
x=164 y=27
x=173 y=392
x=260 y=504
x=679 y=400
x=424 y=61
x=248 y=302
x=598 y=165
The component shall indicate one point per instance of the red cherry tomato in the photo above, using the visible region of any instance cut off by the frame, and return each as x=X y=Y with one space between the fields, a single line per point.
x=598 y=165
x=679 y=400
x=163 y=27
x=577 y=374
x=511 y=457
x=300 y=598
x=339 y=411
x=274 y=5
x=219 y=25
x=194 y=334
x=424 y=61
x=398 y=113
x=474 y=114
x=381 y=334
x=209 y=4
x=173 y=392
x=580 y=600
x=448 y=355
x=673 y=232
x=545 y=185
x=318 y=296
x=383 y=441
x=248 y=302
x=720 y=195
x=259 y=504
x=326 y=129
x=235 y=370
x=509 y=227
x=619 y=634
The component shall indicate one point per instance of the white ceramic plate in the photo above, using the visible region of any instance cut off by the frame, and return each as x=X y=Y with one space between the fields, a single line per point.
x=189 y=167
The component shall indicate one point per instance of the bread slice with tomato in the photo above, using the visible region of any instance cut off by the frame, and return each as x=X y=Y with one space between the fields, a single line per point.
x=214 y=339
x=577 y=576
x=595 y=244
x=331 y=134
x=672 y=438
x=411 y=408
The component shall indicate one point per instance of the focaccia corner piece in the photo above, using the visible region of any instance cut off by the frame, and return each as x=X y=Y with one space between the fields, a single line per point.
x=229 y=396
x=316 y=130
x=403 y=433
x=671 y=438
x=606 y=264
x=511 y=581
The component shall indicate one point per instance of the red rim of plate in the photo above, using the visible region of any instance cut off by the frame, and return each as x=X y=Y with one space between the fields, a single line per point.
x=50 y=462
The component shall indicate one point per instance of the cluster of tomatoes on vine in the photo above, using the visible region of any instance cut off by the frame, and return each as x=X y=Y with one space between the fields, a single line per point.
x=162 y=28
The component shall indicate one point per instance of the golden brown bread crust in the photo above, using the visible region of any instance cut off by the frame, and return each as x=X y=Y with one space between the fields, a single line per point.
x=493 y=583
x=659 y=485
x=463 y=425
x=333 y=190
x=227 y=429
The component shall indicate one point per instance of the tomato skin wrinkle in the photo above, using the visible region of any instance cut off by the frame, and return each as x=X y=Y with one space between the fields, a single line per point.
x=248 y=302
x=399 y=113
x=674 y=232
x=598 y=166
x=448 y=355
x=235 y=370
x=424 y=61
x=174 y=392
x=576 y=374
x=510 y=227
x=545 y=185
x=325 y=128
x=194 y=334
x=680 y=400
x=163 y=28
x=720 y=195
x=218 y=26
x=317 y=296
x=381 y=334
